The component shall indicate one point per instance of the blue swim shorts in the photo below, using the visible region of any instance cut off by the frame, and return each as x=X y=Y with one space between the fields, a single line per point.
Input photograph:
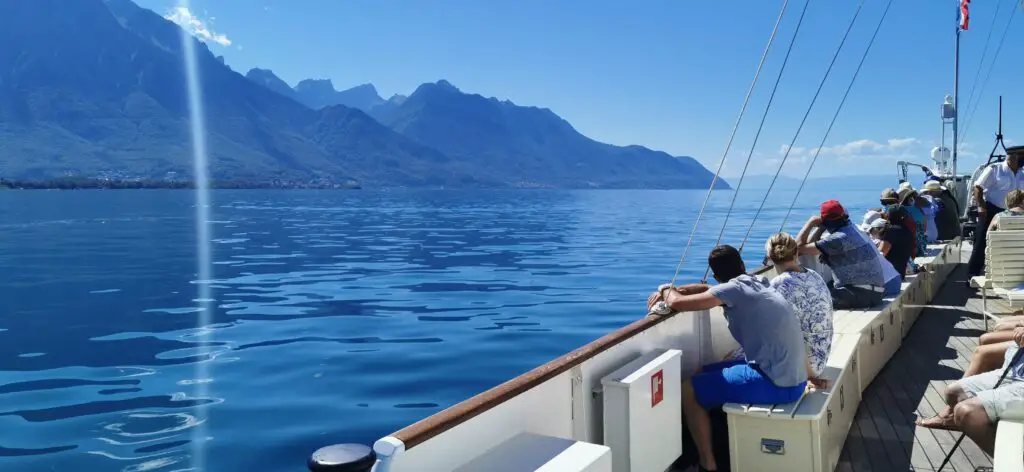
x=739 y=382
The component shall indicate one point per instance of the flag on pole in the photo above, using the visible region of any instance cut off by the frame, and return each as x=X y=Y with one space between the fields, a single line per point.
x=965 y=17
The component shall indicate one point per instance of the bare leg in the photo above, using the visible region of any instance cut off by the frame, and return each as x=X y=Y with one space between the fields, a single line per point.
x=971 y=417
x=945 y=418
x=998 y=336
x=986 y=358
x=1009 y=322
x=699 y=423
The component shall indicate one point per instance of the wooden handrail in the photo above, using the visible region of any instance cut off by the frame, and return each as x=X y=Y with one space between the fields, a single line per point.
x=459 y=413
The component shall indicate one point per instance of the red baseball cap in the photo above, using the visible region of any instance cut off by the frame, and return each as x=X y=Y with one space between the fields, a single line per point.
x=832 y=210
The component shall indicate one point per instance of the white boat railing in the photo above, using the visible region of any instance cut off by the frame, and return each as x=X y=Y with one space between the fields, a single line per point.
x=560 y=399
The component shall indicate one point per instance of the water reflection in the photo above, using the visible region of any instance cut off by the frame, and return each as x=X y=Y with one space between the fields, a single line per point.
x=334 y=316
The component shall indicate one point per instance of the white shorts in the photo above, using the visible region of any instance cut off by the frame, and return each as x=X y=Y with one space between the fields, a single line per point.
x=983 y=386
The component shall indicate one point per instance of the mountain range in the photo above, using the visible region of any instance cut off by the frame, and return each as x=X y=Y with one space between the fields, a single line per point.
x=97 y=87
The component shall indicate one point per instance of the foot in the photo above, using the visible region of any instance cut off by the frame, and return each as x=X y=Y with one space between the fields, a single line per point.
x=938 y=422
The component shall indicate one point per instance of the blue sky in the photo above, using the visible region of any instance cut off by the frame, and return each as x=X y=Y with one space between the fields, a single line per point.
x=670 y=75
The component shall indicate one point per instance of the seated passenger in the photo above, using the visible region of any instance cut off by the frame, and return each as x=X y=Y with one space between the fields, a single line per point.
x=947 y=220
x=974 y=404
x=807 y=292
x=992 y=346
x=763 y=322
x=897 y=241
x=908 y=201
x=870 y=217
x=889 y=197
x=890 y=204
x=876 y=226
x=930 y=207
x=1014 y=207
x=859 y=280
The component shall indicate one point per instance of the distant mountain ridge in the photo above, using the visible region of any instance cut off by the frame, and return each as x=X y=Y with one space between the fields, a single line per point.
x=527 y=142
x=320 y=93
x=95 y=87
x=531 y=145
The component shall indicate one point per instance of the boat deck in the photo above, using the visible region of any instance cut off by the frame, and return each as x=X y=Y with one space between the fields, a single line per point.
x=936 y=352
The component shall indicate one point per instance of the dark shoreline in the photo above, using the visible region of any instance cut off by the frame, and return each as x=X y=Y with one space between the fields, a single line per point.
x=75 y=183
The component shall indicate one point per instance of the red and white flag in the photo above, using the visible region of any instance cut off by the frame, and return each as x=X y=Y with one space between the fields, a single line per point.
x=965 y=17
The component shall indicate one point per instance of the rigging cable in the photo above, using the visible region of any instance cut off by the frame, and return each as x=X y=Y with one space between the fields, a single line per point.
x=817 y=151
x=732 y=136
x=760 y=127
x=988 y=73
x=802 y=122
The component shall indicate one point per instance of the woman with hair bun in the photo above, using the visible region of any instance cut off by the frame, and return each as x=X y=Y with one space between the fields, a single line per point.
x=806 y=290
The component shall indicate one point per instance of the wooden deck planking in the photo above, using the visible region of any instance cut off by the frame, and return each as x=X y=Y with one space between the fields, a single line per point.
x=935 y=353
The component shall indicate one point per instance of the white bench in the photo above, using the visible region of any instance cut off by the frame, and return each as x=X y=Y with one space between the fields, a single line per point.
x=813 y=430
x=1009 y=453
x=935 y=262
x=1009 y=456
x=1004 y=269
x=879 y=331
x=912 y=301
x=1011 y=223
x=809 y=431
x=918 y=290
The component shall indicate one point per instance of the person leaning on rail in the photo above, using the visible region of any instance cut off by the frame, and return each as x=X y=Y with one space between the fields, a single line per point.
x=990 y=191
x=775 y=366
x=807 y=291
x=859 y=280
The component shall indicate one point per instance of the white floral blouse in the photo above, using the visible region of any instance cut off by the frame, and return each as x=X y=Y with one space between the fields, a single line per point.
x=812 y=302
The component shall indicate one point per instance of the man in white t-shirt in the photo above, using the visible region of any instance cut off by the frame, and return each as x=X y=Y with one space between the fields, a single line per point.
x=990 y=191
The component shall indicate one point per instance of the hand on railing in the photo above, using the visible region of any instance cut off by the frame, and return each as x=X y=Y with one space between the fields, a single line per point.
x=654 y=299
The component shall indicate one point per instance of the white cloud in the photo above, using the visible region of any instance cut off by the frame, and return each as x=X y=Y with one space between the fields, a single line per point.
x=861 y=148
x=860 y=157
x=191 y=23
x=902 y=142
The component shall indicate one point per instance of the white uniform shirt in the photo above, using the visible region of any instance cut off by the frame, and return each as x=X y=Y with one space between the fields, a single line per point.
x=998 y=180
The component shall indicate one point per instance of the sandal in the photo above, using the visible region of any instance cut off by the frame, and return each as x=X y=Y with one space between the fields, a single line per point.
x=938 y=422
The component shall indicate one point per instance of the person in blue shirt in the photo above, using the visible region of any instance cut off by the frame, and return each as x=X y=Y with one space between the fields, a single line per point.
x=775 y=366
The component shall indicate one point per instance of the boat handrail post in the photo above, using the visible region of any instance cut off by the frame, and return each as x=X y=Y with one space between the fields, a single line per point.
x=386 y=448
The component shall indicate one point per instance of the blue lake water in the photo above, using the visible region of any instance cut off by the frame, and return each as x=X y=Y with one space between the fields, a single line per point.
x=339 y=316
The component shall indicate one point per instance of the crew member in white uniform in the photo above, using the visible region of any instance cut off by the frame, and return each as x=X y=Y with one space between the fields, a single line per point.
x=989 y=193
